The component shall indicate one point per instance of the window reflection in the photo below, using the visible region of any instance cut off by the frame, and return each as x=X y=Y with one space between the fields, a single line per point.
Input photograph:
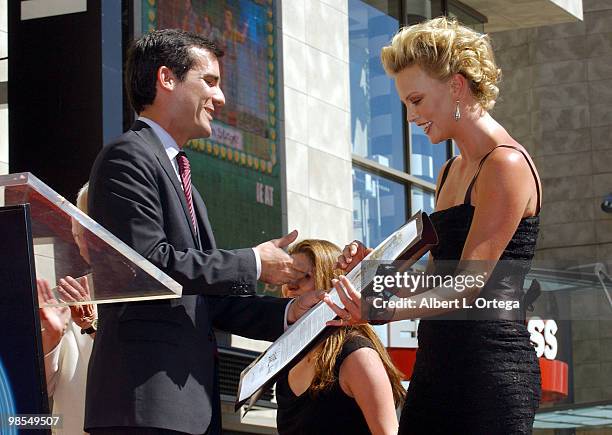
x=466 y=15
x=426 y=159
x=379 y=207
x=422 y=200
x=417 y=11
x=376 y=112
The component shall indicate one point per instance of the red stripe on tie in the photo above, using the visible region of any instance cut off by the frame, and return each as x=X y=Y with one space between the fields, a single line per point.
x=185 y=173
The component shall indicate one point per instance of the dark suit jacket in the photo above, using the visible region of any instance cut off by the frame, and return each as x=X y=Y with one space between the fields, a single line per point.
x=153 y=363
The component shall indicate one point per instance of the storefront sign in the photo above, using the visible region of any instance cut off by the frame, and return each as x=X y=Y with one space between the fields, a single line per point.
x=543 y=337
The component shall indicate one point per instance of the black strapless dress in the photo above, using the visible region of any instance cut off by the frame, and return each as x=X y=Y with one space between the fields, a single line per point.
x=476 y=376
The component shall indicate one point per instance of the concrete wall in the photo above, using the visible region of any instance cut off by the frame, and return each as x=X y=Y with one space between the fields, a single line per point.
x=556 y=99
x=512 y=14
x=317 y=119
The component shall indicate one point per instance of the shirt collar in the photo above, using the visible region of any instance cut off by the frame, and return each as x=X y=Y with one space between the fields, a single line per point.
x=167 y=141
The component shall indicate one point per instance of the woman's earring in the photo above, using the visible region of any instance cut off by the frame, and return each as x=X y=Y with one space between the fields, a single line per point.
x=457 y=112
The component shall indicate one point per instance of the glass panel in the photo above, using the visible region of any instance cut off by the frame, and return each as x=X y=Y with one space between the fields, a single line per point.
x=417 y=11
x=387 y=7
x=67 y=242
x=379 y=207
x=466 y=16
x=376 y=112
x=422 y=200
x=456 y=150
x=426 y=159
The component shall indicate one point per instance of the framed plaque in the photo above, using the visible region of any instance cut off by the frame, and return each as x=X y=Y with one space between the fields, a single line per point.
x=407 y=244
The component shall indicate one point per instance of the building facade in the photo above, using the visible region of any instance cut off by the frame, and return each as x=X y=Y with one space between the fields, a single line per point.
x=555 y=101
x=315 y=139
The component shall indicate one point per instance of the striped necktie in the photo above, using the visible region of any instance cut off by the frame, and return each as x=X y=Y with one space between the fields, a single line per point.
x=185 y=173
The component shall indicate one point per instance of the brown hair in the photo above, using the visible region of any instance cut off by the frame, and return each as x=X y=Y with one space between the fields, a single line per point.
x=442 y=47
x=323 y=255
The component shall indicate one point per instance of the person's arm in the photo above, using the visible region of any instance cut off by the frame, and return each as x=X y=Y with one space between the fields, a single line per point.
x=125 y=199
x=77 y=290
x=52 y=368
x=256 y=317
x=354 y=252
x=363 y=377
x=53 y=326
x=259 y=317
x=505 y=187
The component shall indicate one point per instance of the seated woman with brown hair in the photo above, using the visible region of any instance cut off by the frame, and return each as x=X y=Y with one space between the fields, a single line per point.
x=346 y=384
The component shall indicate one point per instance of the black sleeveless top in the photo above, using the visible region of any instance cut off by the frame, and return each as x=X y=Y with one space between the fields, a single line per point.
x=474 y=376
x=329 y=412
x=506 y=282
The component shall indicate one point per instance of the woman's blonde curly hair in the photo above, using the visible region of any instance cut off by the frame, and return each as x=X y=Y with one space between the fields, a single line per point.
x=443 y=47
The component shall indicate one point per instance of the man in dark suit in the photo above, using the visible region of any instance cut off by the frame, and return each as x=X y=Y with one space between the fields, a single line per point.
x=153 y=366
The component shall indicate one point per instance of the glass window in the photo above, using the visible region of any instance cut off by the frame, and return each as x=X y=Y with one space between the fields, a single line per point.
x=422 y=200
x=376 y=111
x=416 y=11
x=379 y=207
x=426 y=159
x=466 y=15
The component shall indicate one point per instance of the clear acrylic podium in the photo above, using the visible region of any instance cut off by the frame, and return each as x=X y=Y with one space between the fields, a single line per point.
x=67 y=242
x=44 y=238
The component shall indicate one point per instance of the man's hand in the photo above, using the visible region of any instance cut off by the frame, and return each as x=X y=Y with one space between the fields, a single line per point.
x=302 y=304
x=277 y=267
x=351 y=256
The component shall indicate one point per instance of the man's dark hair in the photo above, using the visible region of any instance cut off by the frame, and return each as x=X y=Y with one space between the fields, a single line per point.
x=168 y=47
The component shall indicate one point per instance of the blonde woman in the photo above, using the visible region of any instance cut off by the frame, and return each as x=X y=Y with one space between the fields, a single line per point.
x=67 y=339
x=348 y=383
x=476 y=371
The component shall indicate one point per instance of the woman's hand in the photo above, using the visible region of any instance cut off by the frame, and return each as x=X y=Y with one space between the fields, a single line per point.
x=352 y=254
x=53 y=320
x=77 y=290
x=351 y=299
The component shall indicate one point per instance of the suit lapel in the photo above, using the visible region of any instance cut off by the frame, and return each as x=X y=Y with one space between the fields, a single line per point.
x=148 y=135
x=206 y=232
